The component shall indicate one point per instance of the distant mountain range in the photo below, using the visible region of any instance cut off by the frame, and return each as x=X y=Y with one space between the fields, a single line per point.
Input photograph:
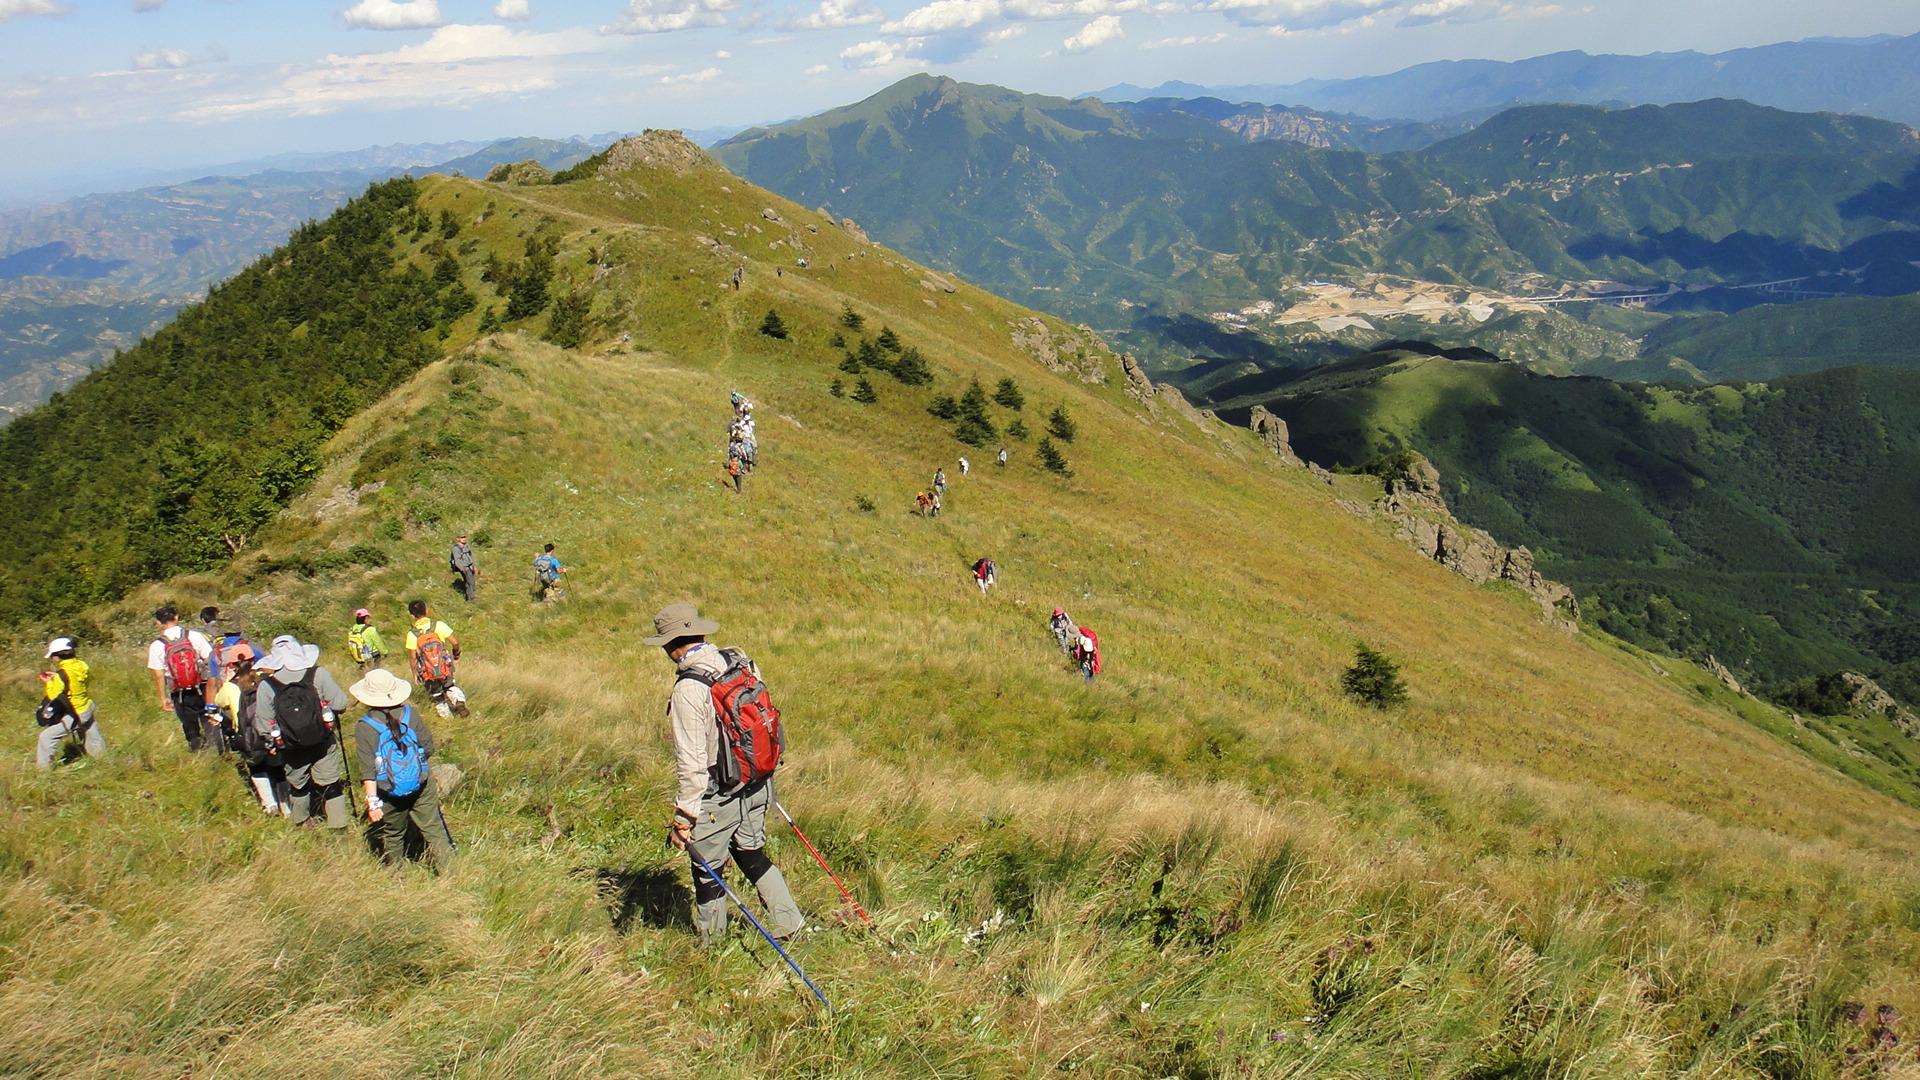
x=1177 y=229
x=1878 y=76
x=92 y=275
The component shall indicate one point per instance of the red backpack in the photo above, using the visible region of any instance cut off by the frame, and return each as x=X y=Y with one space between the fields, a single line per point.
x=431 y=660
x=181 y=662
x=750 y=739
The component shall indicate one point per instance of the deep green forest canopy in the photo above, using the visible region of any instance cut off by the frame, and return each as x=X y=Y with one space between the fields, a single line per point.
x=164 y=460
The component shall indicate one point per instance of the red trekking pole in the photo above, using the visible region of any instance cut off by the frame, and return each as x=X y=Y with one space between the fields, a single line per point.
x=823 y=865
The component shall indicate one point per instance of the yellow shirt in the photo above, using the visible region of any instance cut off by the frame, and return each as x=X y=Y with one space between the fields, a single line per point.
x=421 y=626
x=71 y=678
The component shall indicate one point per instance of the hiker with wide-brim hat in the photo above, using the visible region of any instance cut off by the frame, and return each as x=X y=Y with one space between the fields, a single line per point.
x=392 y=747
x=294 y=707
x=715 y=825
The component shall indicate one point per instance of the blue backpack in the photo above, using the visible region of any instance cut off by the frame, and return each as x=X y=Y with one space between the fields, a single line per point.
x=399 y=766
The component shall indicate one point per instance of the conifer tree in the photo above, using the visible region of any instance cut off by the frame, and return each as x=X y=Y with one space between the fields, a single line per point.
x=773 y=325
x=1060 y=425
x=911 y=368
x=1017 y=429
x=944 y=406
x=567 y=326
x=850 y=318
x=1051 y=458
x=837 y=388
x=1008 y=393
x=889 y=340
x=1374 y=678
x=863 y=392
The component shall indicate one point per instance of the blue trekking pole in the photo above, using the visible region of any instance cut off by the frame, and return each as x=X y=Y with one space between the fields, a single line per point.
x=717 y=880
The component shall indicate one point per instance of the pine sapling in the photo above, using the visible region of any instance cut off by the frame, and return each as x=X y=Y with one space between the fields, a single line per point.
x=773 y=325
x=1007 y=393
x=1060 y=425
x=1051 y=458
x=1374 y=678
x=863 y=392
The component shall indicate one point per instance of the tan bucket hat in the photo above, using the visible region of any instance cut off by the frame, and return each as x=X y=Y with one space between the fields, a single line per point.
x=678 y=621
x=381 y=689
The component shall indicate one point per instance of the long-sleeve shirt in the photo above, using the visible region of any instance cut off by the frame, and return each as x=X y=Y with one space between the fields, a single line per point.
x=366 y=738
x=331 y=696
x=461 y=557
x=696 y=730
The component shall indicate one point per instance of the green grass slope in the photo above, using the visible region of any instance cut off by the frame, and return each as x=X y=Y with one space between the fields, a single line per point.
x=1559 y=858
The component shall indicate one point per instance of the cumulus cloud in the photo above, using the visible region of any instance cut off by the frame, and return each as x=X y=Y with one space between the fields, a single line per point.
x=394 y=14
x=663 y=16
x=169 y=58
x=513 y=10
x=833 y=15
x=944 y=16
x=14 y=9
x=1094 y=34
x=872 y=54
x=706 y=75
x=817 y=69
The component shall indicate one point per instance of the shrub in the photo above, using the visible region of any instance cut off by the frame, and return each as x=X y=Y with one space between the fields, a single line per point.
x=1051 y=458
x=1060 y=425
x=850 y=318
x=944 y=407
x=851 y=365
x=837 y=388
x=585 y=169
x=393 y=528
x=863 y=392
x=1007 y=393
x=567 y=326
x=1374 y=678
x=1018 y=429
x=911 y=368
x=773 y=325
x=864 y=504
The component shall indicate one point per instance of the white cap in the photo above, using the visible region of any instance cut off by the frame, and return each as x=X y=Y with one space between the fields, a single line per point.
x=59 y=644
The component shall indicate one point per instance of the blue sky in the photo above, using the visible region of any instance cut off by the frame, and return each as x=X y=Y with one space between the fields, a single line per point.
x=88 y=85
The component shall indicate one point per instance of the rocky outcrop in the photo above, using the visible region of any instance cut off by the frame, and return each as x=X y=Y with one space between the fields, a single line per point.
x=1273 y=432
x=1139 y=387
x=1418 y=511
x=1866 y=696
x=528 y=173
x=1719 y=671
x=657 y=148
x=854 y=230
x=1078 y=352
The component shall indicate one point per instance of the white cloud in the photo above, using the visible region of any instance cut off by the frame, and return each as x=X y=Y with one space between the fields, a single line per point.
x=14 y=9
x=163 y=57
x=394 y=14
x=817 y=69
x=943 y=16
x=663 y=16
x=833 y=15
x=707 y=75
x=458 y=66
x=1071 y=9
x=871 y=54
x=1294 y=16
x=513 y=10
x=1005 y=33
x=1177 y=42
x=1094 y=34
x=149 y=5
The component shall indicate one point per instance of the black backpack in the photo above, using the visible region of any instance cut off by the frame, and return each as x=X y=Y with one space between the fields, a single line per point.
x=296 y=709
x=245 y=737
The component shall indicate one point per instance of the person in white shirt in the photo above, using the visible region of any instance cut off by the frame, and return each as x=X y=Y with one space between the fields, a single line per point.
x=178 y=660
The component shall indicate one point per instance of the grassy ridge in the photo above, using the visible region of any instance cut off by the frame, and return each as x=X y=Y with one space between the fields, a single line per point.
x=1556 y=859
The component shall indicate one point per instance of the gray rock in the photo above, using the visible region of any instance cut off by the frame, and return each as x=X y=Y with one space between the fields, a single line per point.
x=1273 y=432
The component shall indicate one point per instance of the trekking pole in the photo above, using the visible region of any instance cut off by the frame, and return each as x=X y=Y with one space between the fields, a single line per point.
x=354 y=799
x=702 y=864
x=811 y=850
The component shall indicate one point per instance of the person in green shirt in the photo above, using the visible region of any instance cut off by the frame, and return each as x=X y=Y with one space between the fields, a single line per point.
x=364 y=642
x=70 y=703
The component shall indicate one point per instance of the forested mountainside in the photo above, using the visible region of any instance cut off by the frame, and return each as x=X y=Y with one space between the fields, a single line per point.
x=1080 y=209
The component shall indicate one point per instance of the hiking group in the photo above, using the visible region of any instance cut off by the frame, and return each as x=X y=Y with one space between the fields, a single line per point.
x=1081 y=645
x=742 y=451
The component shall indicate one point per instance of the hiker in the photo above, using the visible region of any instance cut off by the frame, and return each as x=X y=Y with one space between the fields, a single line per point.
x=294 y=706
x=432 y=652
x=364 y=642
x=939 y=482
x=392 y=747
x=67 y=708
x=1001 y=460
x=210 y=627
x=983 y=575
x=547 y=570
x=1086 y=652
x=1063 y=630
x=739 y=275
x=461 y=561
x=933 y=504
x=178 y=660
x=923 y=503
x=237 y=704
x=733 y=470
x=717 y=821
x=964 y=467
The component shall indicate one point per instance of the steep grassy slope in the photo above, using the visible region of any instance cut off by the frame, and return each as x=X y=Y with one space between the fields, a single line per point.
x=1559 y=858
